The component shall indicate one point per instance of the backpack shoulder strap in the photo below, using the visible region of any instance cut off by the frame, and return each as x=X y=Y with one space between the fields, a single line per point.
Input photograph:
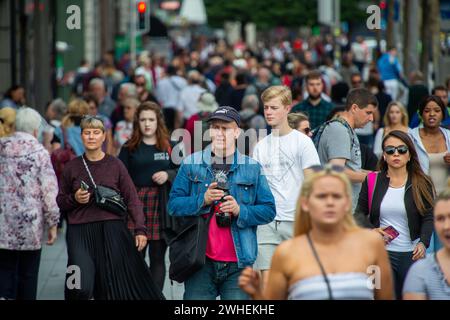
x=371 y=182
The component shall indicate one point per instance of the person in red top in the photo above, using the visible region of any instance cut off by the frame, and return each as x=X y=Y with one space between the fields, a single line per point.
x=98 y=242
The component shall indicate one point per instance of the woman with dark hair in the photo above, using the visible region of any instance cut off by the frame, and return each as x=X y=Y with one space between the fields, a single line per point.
x=147 y=157
x=98 y=241
x=14 y=97
x=407 y=225
x=432 y=143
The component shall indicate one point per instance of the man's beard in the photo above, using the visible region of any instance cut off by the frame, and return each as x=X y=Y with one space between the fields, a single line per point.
x=314 y=97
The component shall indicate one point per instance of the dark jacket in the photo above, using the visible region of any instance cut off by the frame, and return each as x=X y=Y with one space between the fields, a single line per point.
x=420 y=226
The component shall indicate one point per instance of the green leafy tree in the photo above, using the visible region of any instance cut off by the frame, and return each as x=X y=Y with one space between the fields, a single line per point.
x=272 y=13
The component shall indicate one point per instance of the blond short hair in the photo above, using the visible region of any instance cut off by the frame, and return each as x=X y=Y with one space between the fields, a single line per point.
x=303 y=224
x=295 y=118
x=7 y=121
x=282 y=92
x=92 y=122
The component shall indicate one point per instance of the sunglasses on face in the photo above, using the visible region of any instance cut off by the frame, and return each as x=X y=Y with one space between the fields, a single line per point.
x=328 y=168
x=390 y=150
x=307 y=130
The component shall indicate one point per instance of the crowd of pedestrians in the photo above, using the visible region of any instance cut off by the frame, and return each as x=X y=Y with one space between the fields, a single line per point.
x=269 y=164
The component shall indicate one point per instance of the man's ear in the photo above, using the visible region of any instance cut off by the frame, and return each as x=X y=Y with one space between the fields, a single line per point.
x=237 y=132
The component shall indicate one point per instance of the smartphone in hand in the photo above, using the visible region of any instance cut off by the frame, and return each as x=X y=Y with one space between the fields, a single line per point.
x=84 y=186
x=392 y=232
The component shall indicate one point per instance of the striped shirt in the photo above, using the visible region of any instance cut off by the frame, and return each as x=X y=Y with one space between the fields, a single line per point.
x=344 y=286
x=426 y=277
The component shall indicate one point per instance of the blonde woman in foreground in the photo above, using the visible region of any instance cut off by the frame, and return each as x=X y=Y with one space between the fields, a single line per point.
x=329 y=256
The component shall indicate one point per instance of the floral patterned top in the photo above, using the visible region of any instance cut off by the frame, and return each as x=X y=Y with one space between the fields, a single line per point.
x=28 y=190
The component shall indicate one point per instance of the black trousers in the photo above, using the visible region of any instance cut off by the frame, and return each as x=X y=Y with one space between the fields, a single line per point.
x=400 y=263
x=19 y=274
x=104 y=264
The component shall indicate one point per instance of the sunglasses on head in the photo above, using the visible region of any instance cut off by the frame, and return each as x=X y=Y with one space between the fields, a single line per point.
x=328 y=168
x=390 y=150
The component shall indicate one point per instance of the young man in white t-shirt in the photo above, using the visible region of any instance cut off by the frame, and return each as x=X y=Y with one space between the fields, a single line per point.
x=286 y=156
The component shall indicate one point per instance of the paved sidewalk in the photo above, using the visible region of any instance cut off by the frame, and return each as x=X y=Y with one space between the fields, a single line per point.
x=52 y=273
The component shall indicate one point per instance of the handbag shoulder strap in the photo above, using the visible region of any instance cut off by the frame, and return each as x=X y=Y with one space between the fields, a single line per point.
x=371 y=182
x=324 y=274
x=89 y=172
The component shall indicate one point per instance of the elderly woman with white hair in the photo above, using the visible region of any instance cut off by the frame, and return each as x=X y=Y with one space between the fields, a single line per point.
x=28 y=190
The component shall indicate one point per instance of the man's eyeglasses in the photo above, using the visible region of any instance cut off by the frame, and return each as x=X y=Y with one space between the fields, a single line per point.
x=390 y=150
x=328 y=168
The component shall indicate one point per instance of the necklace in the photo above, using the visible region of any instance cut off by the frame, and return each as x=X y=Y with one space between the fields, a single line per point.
x=400 y=186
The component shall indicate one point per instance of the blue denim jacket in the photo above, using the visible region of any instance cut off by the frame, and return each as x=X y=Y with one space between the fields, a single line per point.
x=247 y=185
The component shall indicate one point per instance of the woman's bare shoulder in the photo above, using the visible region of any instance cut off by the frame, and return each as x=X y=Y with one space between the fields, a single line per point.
x=370 y=237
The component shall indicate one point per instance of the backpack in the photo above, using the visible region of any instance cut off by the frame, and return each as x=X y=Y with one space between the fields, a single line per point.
x=317 y=133
x=62 y=156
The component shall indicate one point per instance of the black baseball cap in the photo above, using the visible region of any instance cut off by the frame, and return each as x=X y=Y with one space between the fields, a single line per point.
x=227 y=114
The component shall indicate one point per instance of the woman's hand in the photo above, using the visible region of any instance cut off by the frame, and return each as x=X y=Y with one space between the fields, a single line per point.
x=249 y=281
x=52 y=235
x=447 y=158
x=141 y=242
x=419 y=251
x=386 y=236
x=82 y=196
x=160 y=177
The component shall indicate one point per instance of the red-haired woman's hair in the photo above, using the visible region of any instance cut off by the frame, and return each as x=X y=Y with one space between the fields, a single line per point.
x=162 y=134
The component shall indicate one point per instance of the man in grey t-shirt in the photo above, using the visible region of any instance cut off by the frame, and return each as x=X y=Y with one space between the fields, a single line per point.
x=339 y=144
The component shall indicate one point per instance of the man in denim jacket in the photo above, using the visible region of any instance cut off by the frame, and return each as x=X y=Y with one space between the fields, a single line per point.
x=231 y=244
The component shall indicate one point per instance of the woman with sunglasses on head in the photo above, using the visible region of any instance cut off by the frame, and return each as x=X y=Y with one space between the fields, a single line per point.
x=147 y=157
x=406 y=226
x=329 y=257
x=300 y=121
x=106 y=256
x=432 y=143
x=395 y=118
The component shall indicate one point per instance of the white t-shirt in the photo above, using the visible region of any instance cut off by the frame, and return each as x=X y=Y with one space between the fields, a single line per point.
x=393 y=213
x=188 y=100
x=283 y=160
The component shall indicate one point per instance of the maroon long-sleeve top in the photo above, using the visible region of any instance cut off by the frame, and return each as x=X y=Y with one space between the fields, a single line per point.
x=109 y=172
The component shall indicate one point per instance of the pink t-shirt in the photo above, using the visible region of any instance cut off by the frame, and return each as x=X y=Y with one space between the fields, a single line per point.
x=220 y=245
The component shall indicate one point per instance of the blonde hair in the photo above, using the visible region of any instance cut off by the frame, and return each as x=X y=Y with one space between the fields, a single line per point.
x=7 y=121
x=282 y=92
x=92 y=122
x=296 y=118
x=302 y=224
x=76 y=108
x=405 y=118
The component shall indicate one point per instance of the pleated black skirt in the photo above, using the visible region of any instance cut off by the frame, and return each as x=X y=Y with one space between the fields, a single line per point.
x=109 y=265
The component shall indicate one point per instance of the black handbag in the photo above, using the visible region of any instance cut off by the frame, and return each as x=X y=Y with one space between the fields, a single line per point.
x=107 y=198
x=188 y=248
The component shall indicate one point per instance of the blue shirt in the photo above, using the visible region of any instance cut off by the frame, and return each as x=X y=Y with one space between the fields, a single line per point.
x=389 y=69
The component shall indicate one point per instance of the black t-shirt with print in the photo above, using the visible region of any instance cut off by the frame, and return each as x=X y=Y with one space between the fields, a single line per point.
x=144 y=162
